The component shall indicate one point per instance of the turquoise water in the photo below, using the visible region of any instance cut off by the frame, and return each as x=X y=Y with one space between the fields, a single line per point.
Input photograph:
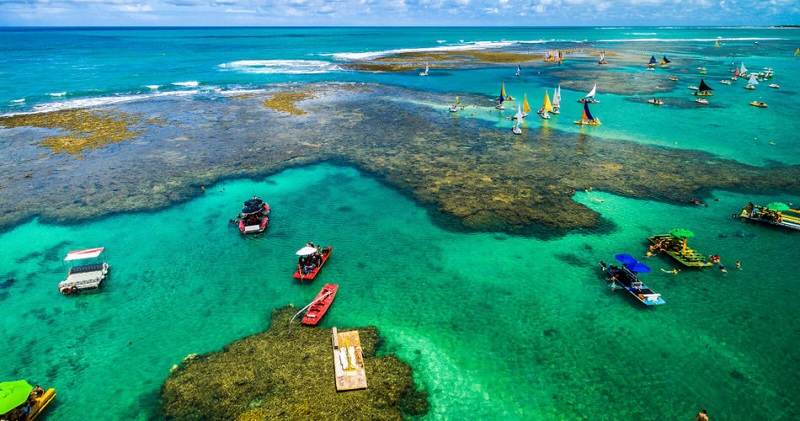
x=494 y=325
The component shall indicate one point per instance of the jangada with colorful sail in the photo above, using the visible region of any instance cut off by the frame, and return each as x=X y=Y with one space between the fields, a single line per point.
x=544 y=112
x=703 y=89
x=590 y=96
x=587 y=119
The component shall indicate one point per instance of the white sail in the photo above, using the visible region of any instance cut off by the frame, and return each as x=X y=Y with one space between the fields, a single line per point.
x=742 y=70
x=753 y=80
x=592 y=92
x=519 y=116
x=557 y=98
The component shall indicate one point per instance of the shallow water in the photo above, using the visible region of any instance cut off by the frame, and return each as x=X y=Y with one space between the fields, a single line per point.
x=492 y=324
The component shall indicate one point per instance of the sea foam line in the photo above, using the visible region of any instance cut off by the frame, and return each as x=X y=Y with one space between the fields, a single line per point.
x=688 y=39
x=281 y=66
x=371 y=55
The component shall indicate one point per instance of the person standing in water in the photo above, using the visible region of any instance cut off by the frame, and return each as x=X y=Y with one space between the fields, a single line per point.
x=701 y=416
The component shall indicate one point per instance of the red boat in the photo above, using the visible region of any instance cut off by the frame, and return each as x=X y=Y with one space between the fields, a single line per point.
x=320 y=304
x=255 y=216
x=310 y=270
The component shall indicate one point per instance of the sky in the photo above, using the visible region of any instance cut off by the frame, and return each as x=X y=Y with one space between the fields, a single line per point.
x=399 y=12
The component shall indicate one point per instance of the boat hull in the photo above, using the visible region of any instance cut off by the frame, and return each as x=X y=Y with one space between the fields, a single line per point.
x=674 y=249
x=320 y=305
x=629 y=281
x=763 y=215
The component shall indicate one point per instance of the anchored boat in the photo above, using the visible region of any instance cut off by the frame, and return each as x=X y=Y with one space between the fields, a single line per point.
x=675 y=244
x=21 y=401
x=311 y=261
x=703 y=89
x=587 y=119
x=87 y=275
x=626 y=277
x=775 y=213
x=255 y=216
x=320 y=305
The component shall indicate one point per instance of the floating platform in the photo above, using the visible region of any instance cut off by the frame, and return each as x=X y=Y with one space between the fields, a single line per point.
x=674 y=248
x=348 y=361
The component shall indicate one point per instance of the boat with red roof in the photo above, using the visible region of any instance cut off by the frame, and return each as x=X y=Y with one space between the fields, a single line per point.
x=320 y=305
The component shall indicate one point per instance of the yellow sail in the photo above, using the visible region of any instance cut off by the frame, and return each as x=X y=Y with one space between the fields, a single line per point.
x=797 y=51
x=716 y=44
x=503 y=90
x=547 y=106
x=525 y=107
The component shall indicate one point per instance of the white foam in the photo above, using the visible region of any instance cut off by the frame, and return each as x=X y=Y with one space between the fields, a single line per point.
x=370 y=55
x=98 y=102
x=17 y=101
x=281 y=66
x=188 y=84
x=57 y=94
x=687 y=39
x=152 y=87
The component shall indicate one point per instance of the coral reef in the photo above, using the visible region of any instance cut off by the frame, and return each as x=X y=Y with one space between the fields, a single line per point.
x=287 y=373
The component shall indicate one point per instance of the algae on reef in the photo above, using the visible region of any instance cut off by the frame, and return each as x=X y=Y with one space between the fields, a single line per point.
x=287 y=373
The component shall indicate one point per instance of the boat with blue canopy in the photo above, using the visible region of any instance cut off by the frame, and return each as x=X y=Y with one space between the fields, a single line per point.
x=626 y=276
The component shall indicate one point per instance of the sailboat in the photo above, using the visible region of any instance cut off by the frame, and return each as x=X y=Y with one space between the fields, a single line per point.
x=665 y=62
x=602 y=58
x=590 y=96
x=652 y=64
x=703 y=89
x=587 y=119
x=797 y=51
x=716 y=44
x=546 y=107
x=454 y=107
x=736 y=74
x=751 y=84
x=519 y=118
x=556 y=101
x=425 y=73
x=501 y=98
x=525 y=107
x=743 y=71
x=519 y=70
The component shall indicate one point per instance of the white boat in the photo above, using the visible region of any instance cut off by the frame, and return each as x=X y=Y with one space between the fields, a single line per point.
x=590 y=96
x=751 y=83
x=602 y=58
x=425 y=73
x=774 y=85
x=84 y=276
x=702 y=101
x=742 y=70
x=454 y=107
x=519 y=117
x=725 y=82
x=519 y=70
x=556 y=101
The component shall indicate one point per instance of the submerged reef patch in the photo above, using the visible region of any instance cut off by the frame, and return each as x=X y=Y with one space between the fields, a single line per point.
x=287 y=373
x=470 y=174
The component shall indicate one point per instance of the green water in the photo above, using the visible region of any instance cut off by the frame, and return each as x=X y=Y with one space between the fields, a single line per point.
x=494 y=326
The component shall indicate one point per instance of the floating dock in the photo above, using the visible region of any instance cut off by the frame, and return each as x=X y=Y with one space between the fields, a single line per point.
x=348 y=361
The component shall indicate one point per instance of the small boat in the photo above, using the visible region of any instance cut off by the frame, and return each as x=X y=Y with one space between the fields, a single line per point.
x=519 y=117
x=774 y=86
x=702 y=101
x=602 y=58
x=752 y=82
x=454 y=107
x=587 y=119
x=88 y=275
x=692 y=88
x=775 y=213
x=665 y=62
x=652 y=62
x=556 y=101
x=425 y=73
x=255 y=216
x=526 y=108
x=519 y=70
x=674 y=244
x=22 y=401
x=725 y=82
x=742 y=71
x=656 y=101
x=702 y=70
x=758 y=104
x=626 y=277
x=320 y=305
x=673 y=78
x=501 y=98
x=703 y=89
x=311 y=261
x=547 y=106
x=590 y=96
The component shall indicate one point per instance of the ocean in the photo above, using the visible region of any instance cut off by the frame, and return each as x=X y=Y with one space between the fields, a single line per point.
x=494 y=325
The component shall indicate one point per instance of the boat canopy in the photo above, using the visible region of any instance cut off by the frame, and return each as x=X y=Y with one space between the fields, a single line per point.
x=83 y=254
x=253 y=205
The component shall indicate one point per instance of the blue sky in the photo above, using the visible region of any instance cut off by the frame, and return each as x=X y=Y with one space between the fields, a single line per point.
x=397 y=12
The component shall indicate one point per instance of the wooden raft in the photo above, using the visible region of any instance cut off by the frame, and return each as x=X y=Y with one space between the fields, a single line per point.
x=348 y=362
